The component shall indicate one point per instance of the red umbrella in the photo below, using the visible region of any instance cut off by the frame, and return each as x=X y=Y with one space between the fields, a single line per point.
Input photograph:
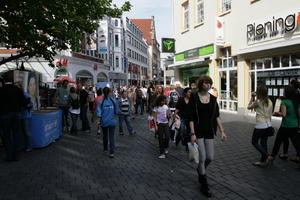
x=63 y=78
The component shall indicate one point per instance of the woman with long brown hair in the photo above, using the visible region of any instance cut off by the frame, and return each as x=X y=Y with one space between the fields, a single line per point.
x=204 y=121
x=263 y=107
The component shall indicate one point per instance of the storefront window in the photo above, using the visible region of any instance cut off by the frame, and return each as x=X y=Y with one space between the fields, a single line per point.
x=285 y=60
x=259 y=63
x=233 y=84
x=295 y=58
x=267 y=62
x=252 y=65
x=229 y=62
x=276 y=61
x=223 y=85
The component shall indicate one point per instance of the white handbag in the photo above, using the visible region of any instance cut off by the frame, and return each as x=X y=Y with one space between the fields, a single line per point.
x=193 y=152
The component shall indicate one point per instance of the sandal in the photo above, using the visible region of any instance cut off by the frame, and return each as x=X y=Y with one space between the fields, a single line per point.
x=260 y=164
x=283 y=156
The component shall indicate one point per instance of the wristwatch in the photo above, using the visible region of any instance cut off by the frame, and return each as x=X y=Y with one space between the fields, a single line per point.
x=192 y=134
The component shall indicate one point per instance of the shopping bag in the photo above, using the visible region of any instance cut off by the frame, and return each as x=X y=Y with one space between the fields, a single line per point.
x=193 y=152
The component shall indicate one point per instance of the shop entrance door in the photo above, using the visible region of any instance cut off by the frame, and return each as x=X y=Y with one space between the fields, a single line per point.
x=192 y=75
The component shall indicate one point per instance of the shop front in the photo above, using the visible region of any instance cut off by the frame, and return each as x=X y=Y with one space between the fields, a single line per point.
x=119 y=79
x=192 y=63
x=275 y=72
x=84 y=77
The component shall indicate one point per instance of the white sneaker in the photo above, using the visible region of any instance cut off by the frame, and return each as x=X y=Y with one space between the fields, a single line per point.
x=166 y=151
x=162 y=156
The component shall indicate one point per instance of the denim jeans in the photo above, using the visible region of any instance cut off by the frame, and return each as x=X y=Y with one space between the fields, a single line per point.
x=260 y=134
x=65 y=116
x=74 y=118
x=125 y=118
x=84 y=118
x=11 y=127
x=26 y=130
x=109 y=133
x=139 y=103
x=183 y=133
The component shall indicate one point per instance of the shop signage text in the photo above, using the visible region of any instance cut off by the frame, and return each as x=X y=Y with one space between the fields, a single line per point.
x=276 y=27
x=200 y=51
x=279 y=73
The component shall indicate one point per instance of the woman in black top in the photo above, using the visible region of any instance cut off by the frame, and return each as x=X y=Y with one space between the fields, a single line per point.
x=183 y=110
x=204 y=121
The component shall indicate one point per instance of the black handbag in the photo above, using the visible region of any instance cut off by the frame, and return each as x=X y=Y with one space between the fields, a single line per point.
x=270 y=131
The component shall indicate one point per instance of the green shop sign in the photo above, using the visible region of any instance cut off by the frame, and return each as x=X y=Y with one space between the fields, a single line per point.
x=201 y=51
x=168 y=45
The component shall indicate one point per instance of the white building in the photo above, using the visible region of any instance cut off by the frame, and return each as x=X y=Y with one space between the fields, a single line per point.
x=240 y=44
x=137 y=54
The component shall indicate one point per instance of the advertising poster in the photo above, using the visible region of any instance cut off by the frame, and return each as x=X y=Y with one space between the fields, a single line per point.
x=22 y=77
x=33 y=89
x=102 y=38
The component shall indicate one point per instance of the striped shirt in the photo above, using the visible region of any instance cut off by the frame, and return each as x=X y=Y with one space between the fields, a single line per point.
x=125 y=106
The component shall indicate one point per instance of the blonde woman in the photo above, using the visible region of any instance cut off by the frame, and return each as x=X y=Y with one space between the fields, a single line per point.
x=263 y=107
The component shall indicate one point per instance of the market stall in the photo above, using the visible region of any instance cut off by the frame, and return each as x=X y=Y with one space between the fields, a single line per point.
x=46 y=123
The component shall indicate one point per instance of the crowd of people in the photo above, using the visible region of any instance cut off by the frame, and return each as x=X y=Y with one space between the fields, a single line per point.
x=181 y=115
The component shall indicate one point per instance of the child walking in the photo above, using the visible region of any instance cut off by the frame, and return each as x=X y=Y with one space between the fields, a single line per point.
x=160 y=114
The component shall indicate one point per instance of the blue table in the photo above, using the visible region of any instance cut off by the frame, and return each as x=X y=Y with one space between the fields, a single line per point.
x=46 y=127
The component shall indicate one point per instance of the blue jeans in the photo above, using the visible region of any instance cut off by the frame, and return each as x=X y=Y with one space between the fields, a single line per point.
x=109 y=133
x=10 y=124
x=183 y=133
x=125 y=118
x=26 y=129
x=74 y=118
x=139 y=103
x=260 y=134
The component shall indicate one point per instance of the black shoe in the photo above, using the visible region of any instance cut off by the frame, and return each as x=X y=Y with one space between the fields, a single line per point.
x=204 y=186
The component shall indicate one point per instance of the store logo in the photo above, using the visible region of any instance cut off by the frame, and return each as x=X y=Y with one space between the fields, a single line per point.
x=275 y=28
x=168 y=45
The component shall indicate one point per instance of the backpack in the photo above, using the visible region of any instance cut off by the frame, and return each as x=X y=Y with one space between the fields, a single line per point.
x=75 y=104
x=139 y=93
x=101 y=106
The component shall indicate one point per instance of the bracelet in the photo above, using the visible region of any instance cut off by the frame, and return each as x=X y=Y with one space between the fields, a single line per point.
x=222 y=130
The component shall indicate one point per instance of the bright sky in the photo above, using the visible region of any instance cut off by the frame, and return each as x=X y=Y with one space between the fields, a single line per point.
x=160 y=9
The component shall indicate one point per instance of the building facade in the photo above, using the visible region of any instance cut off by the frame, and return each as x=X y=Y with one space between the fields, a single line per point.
x=147 y=26
x=238 y=50
x=137 y=55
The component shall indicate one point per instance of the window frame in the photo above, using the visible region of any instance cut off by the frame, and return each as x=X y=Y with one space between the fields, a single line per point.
x=185 y=27
x=197 y=2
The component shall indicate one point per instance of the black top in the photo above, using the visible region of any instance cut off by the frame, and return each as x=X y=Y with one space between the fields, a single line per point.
x=184 y=108
x=204 y=116
x=83 y=97
x=12 y=99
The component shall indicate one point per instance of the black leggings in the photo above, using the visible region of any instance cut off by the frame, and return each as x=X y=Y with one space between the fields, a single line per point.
x=283 y=135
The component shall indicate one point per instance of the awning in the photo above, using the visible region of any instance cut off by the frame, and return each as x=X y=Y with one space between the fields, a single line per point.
x=33 y=65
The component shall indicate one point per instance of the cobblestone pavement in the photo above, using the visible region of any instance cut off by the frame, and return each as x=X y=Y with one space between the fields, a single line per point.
x=75 y=168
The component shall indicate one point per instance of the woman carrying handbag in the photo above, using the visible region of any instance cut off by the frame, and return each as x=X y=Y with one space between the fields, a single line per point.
x=204 y=120
x=263 y=107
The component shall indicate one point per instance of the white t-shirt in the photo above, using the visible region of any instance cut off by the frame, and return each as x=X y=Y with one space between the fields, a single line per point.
x=161 y=113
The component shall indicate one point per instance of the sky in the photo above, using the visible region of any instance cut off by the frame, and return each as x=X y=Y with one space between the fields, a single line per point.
x=160 y=9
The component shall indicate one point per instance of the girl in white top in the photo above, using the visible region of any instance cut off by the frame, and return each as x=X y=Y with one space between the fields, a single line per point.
x=263 y=107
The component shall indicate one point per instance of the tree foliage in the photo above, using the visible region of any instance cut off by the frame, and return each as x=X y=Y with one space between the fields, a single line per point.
x=43 y=27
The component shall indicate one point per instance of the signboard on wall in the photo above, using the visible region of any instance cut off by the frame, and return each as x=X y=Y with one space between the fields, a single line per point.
x=168 y=45
x=273 y=27
x=200 y=51
x=220 y=31
x=102 y=37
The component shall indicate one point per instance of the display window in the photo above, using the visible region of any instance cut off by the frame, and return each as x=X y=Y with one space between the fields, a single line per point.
x=228 y=81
